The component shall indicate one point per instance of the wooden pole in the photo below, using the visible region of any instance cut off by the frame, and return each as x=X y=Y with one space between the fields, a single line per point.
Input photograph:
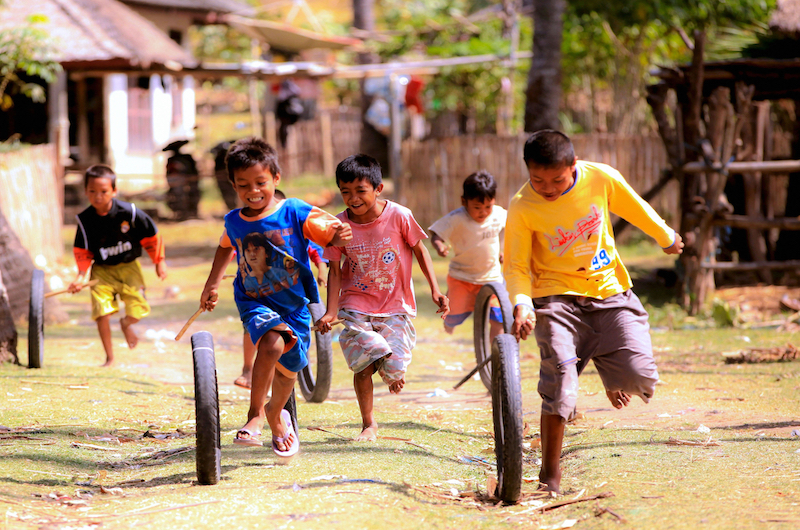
x=327 y=143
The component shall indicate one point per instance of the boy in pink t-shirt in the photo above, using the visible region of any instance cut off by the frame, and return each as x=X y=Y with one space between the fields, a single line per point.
x=371 y=291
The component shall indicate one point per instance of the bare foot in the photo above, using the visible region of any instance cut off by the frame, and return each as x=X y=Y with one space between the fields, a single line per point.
x=448 y=329
x=369 y=434
x=396 y=386
x=130 y=335
x=551 y=484
x=245 y=380
x=618 y=398
x=108 y=363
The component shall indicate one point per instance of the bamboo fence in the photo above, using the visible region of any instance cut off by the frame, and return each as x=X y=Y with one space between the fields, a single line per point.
x=434 y=170
x=31 y=199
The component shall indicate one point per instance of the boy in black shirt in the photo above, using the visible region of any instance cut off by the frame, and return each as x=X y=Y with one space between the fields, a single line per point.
x=111 y=234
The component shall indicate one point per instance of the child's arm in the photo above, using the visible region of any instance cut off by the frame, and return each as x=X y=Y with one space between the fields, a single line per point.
x=334 y=286
x=208 y=299
x=341 y=236
x=439 y=244
x=424 y=260
x=322 y=274
x=154 y=245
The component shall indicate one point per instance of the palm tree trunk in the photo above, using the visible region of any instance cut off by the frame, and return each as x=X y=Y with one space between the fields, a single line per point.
x=543 y=95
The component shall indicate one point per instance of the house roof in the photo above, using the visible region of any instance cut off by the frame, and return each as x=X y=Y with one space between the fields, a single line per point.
x=786 y=18
x=98 y=34
x=217 y=6
x=288 y=38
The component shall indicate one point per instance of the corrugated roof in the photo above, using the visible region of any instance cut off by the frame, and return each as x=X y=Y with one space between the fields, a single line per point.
x=786 y=17
x=98 y=31
x=288 y=38
x=217 y=6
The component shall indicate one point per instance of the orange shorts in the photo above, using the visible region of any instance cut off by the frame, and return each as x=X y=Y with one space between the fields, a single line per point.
x=462 y=297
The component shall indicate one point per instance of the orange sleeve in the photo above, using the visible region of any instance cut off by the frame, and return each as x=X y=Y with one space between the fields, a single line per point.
x=320 y=226
x=225 y=241
x=83 y=258
x=154 y=246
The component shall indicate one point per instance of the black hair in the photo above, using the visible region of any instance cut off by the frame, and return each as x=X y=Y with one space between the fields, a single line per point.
x=248 y=152
x=99 y=171
x=359 y=167
x=549 y=149
x=257 y=239
x=480 y=185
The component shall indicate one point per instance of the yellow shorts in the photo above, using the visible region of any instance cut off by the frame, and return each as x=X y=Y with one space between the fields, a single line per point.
x=124 y=280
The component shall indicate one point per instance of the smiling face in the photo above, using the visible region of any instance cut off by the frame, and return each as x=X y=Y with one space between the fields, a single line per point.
x=478 y=209
x=255 y=187
x=100 y=191
x=551 y=183
x=361 y=199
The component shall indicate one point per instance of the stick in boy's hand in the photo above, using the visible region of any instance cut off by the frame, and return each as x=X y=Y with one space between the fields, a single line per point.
x=188 y=323
x=443 y=303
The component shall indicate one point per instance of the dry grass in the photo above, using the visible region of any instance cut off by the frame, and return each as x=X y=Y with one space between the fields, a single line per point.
x=75 y=454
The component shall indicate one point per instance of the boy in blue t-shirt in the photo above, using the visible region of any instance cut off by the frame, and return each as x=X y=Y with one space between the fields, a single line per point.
x=278 y=322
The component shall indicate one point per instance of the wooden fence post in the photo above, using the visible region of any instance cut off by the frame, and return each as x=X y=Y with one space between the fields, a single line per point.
x=327 y=143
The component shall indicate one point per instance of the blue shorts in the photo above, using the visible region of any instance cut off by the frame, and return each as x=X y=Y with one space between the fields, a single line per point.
x=495 y=315
x=259 y=319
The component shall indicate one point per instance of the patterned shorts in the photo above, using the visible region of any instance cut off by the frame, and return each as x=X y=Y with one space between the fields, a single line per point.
x=387 y=340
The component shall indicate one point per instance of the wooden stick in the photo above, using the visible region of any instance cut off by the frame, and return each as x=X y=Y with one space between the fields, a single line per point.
x=333 y=323
x=227 y=276
x=472 y=372
x=188 y=323
x=66 y=289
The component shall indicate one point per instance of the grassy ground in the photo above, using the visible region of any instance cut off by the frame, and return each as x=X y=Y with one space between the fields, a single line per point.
x=85 y=447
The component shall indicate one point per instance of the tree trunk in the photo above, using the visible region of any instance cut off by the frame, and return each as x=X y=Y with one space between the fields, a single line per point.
x=16 y=267
x=543 y=95
x=8 y=333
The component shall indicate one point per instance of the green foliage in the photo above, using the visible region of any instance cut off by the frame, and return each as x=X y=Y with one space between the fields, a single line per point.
x=25 y=49
x=439 y=28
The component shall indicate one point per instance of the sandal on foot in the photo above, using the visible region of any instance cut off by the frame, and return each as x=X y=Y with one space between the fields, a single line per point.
x=286 y=418
x=251 y=441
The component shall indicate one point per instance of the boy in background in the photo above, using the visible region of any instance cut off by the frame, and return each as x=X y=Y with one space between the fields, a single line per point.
x=561 y=258
x=372 y=291
x=278 y=323
x=111 y=234
x=474 y=232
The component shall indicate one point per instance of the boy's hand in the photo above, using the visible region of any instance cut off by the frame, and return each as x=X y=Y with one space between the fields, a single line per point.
x=322 y=275
x=343 y=234
x=676 y=247
x=442 y=302
x=524 y=320
x=208 y=300
x=75 y=286
x=324 y=323
x=161 y=269
x=441 y=248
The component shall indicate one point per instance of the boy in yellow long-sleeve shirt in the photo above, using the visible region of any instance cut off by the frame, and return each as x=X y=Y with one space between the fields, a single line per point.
x=560 y=257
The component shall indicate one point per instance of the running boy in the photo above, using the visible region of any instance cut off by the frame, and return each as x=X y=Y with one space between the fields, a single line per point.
x=111 y=234
x=248 y=348
x=277 y=319
x=560 y=257
x=474 y=232
x=372 y=291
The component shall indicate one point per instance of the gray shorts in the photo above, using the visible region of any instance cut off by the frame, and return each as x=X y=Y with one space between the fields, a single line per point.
x=614 y=333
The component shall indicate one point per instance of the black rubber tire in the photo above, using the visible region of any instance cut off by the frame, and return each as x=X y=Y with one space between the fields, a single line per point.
x=36 y=320
x=483 y=345
x=315 y=378
x=291 y=406
x=507 y=417
x=206 y=403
